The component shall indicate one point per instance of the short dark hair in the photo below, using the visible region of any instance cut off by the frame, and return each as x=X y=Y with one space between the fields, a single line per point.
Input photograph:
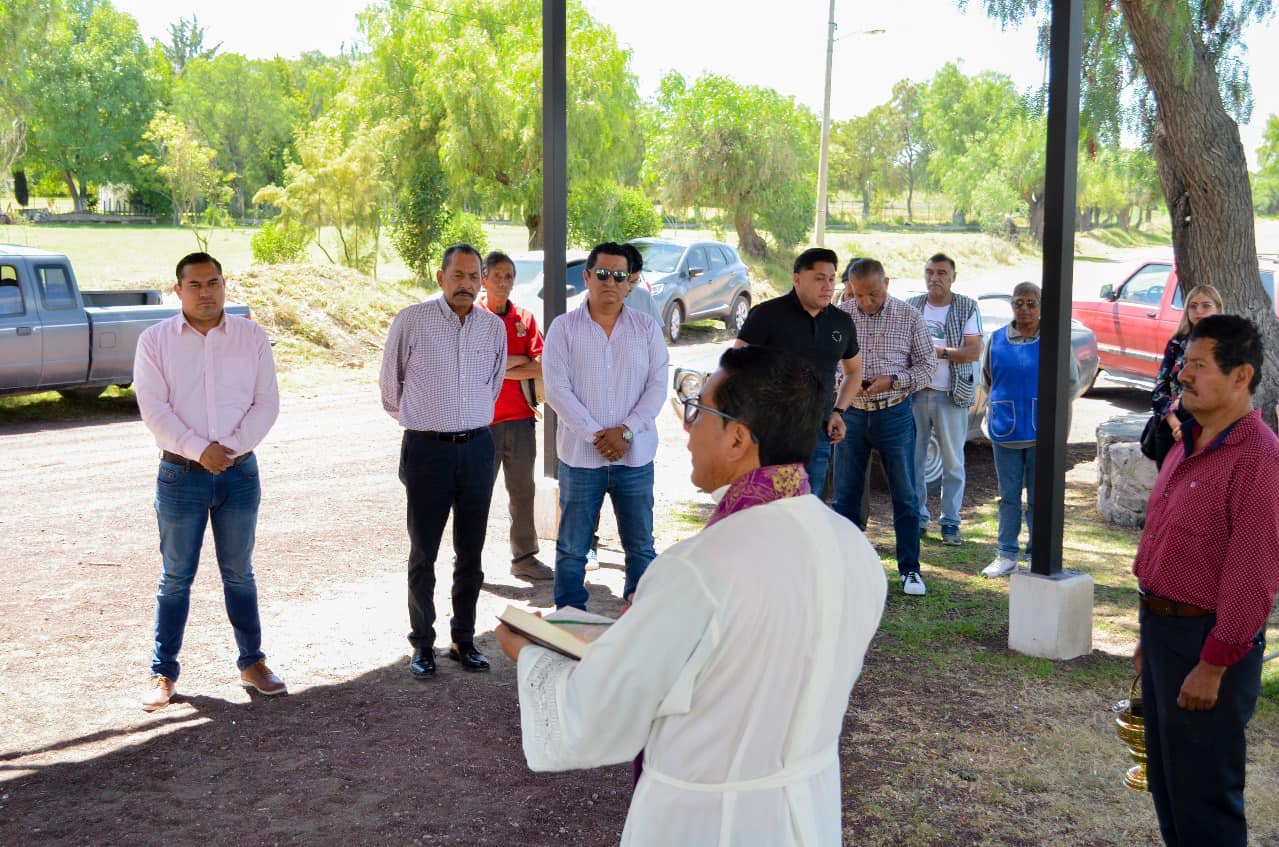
x=200 y=258
x=496 y=258
x=805 y=261
x=608 y=248
x=453 y=249
x=634 y=260
x=778 y=396
x=867 y=268
x=1237 y=342
x=941 y=257
x=848 y=269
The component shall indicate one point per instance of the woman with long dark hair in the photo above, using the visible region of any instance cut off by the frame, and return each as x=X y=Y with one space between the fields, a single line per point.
x=1165 y=401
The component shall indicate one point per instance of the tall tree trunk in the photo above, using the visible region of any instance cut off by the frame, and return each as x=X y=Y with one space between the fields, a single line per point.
x=1035 y=214
x=748 y=240
x=1204 y=176
x=533 y=221
x=865 y=203
x=910 y=195
x=77 y=196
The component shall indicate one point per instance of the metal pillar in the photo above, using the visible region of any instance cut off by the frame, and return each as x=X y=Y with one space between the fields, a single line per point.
x=554 y=188
x=1058 y=275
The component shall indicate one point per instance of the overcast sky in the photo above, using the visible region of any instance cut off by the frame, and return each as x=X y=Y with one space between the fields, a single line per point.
x=779 y=45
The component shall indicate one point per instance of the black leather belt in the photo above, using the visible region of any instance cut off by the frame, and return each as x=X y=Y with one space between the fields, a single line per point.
x=450 y=437
x=1166 y=608
x=184 y=462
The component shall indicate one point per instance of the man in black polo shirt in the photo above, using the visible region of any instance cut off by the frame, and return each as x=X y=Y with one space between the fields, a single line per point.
x=804 y=322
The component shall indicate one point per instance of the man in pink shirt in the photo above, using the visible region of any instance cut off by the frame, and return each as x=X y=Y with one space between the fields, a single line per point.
x=1207 y=573
x=205 y=383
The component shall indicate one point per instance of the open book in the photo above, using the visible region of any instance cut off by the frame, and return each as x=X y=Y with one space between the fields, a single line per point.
x=566 y=630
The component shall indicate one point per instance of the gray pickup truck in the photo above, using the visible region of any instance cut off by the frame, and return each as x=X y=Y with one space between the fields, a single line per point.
x=55 y=337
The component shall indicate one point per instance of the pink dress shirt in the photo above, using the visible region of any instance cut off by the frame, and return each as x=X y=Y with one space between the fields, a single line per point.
x=194 y=390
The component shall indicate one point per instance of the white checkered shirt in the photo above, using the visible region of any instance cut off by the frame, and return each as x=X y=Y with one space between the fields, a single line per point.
x=439 y=374
x=596 y=382
x=894 y=341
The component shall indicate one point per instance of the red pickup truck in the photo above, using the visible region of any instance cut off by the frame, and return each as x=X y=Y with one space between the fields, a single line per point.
x=1134 y=319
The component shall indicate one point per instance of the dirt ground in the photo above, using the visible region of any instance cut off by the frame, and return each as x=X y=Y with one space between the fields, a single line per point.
x=358 y=752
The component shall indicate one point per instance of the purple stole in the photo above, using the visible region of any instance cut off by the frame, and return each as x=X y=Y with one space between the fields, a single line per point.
x=762 y=485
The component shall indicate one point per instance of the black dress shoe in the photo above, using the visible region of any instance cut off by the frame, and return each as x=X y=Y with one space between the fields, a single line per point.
x=470 y=658
x=423 y=664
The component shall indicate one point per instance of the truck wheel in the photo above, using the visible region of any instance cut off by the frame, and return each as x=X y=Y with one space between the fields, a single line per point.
x=674 y=321
x=80 y=395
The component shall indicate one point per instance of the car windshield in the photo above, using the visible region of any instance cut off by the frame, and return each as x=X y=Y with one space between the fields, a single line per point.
x=526 y=270
x=995 y=312
x=658 y=257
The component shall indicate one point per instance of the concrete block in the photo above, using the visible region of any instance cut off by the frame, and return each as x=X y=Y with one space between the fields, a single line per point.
x=1050 y=617
x=546 y=508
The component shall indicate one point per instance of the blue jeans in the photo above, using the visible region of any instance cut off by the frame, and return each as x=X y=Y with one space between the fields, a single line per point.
x=820 y=461
x=892 y=432
x=582 y=493
x=934 y=412
x=186 y=500
x=1015 y=467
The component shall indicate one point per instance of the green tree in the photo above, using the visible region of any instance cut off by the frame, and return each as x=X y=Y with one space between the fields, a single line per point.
x=186 y=43
x=964 y=117
x=746 y=150
x=472 y=75
x=24 y=25
x=248 y=111
x=91 y=96
x=605 y=211
x=1265 y=189
x=188 y=170
x=1188 y=55
x=914 y=146
x=1014 y=182
x=337 y=186
x=864 y=154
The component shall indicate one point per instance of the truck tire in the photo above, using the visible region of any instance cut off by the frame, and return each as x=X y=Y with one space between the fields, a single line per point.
x=737 y=314
x=674 y=321
x=80 y=395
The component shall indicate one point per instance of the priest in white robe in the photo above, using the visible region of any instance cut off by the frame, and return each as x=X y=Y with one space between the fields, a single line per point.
x=732 y=669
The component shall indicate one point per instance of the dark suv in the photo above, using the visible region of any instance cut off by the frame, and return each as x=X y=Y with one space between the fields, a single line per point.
x=692 y=282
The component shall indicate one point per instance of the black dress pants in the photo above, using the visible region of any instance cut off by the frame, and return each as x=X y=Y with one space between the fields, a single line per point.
x=439 y=477
x=1195 y=760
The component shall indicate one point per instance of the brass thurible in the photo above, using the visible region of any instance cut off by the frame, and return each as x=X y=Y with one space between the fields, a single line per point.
x=1130 y=726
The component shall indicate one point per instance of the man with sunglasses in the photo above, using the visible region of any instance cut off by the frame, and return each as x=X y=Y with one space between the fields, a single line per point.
x=605 y=369
x=776 y=586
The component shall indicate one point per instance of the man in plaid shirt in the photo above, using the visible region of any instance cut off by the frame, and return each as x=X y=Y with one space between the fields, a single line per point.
x=898 y=359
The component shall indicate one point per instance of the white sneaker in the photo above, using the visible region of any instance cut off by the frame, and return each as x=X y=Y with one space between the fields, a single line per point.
x=1002 y=566
x=913 y=584
x=592 y=560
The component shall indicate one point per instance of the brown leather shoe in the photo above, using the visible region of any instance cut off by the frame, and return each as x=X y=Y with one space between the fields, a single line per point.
x=260 y=678
x=159 y=693
x=531 y=568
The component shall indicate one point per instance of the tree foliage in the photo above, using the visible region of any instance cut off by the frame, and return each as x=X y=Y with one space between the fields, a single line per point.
x=1265 y=188
x=864 y=155
x=601 y=211
x=186 y=42
x=471 y=72
x=24 y=25
x=91 y=96
x=187 y=169
x=746 y=150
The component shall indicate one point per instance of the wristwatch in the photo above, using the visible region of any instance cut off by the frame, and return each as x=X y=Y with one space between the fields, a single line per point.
x=944 y=354
x=897 y=383
x=627 y=435
x=838 y=411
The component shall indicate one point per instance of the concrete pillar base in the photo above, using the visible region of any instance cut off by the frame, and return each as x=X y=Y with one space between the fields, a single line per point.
x=546 y=508
x=1050 y=616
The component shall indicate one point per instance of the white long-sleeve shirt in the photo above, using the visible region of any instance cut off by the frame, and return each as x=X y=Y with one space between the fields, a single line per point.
x=595 y=381
x=708 y=674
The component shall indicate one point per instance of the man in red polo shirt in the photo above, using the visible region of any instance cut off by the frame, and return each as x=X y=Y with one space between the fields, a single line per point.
x=1208 y=574
x=513 y=418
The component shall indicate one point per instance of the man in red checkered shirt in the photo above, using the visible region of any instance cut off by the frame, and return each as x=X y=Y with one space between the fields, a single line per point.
x=1208 y=573
x=514 y=439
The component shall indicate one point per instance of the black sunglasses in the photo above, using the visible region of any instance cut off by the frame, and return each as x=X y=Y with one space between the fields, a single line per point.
x=601 y=274
x=694 y=409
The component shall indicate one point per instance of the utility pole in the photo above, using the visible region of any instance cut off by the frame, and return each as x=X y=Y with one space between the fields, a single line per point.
x=823 y=160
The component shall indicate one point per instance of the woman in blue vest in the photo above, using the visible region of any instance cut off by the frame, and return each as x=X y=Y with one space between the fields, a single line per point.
x=1010 y=368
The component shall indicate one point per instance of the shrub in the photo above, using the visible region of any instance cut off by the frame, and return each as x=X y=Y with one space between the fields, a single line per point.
x=605 y=211
x=459 y=227
x=279 y=243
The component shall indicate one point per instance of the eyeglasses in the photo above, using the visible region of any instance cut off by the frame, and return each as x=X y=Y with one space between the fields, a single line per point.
x=1025 y=304
x=693 y=410
x=618 y=276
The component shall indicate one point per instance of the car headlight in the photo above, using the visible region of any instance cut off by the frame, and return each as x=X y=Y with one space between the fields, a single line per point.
x=657 y=287
x=690 y=385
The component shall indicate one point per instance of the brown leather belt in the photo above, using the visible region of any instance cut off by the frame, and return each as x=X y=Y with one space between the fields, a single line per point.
x=450 y=437
x=1166 y=608
x=189 y=464
x=877 y=405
